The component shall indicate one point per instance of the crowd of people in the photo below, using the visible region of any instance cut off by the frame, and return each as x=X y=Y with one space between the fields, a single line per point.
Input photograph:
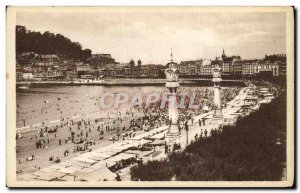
x=81 y=135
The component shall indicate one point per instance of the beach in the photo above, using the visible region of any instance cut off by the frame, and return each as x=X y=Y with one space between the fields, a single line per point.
x=63 y=108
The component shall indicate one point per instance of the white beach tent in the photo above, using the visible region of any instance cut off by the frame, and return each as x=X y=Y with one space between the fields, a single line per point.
x=26 y=177
x=101 y=174
x=84 y=159
x=48 y=176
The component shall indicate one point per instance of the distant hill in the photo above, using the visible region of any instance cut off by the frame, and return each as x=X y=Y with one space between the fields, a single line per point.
x=101 y=60
x=49 y=43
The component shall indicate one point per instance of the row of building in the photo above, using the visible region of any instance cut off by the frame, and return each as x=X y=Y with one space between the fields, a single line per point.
x=273 y=65
x=86 y=71
x=99 y=66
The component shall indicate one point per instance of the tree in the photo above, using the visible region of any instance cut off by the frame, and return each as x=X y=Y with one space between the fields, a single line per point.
x=48 y=43
x=86 y=53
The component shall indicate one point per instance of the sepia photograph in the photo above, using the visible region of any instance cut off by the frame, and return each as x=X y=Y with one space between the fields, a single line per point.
x=150 y=96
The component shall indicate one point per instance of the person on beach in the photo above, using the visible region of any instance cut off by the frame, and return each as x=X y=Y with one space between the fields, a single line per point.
x=66 y=153
x=196 y=137
x=57 y=160
x=37 y=143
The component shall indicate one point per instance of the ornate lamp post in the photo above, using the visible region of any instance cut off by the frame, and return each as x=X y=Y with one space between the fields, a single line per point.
x=172 y=84
x=216 y=72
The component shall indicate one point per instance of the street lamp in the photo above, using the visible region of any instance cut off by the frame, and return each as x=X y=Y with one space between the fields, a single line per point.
x=187 y=132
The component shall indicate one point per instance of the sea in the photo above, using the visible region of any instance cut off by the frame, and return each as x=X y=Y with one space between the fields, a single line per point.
x=51 y=103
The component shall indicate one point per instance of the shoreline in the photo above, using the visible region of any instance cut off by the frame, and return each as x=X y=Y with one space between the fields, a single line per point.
x=128 y=82
x=55 y=149
x=56 y=121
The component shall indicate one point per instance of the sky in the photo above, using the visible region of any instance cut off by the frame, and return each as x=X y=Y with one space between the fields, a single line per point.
x=149 y=34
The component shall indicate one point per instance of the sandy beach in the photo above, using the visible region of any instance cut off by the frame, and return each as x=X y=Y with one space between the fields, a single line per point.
x=26 y=145
x=83 y=109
